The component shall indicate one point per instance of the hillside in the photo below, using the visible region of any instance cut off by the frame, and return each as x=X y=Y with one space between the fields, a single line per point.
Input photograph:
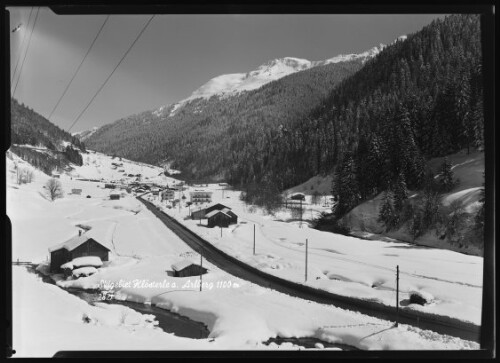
x=30 y=128
x=468 y=170
x=43 y=144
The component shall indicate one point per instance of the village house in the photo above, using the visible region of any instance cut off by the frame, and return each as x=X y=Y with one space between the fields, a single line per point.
x=187 y=268
x=200 y=196
x=114 y=195
x=168 y=194
x=76 y=191
x=79 y=246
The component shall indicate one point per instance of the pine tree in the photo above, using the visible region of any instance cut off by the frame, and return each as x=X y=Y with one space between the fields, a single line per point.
x=400 y=192
x=387 y=215
x=446 y=178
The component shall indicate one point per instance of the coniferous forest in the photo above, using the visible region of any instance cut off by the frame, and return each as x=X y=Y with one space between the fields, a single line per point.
x=30 y=128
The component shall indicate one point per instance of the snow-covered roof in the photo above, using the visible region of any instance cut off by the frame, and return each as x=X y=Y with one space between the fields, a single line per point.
x=67 y=265
x=214 y=212
x=181 y=265
x=94 y=261
x=72 y=243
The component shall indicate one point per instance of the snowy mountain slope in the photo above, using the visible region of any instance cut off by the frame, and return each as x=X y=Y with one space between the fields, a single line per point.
x=230 y=84
x=82 y=135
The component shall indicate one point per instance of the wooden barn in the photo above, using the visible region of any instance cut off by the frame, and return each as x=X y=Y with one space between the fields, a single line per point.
x=187 y=268
x=230 y=213
x=203 y=213
x=76 y=247
x=198 y=214
x=218 y=218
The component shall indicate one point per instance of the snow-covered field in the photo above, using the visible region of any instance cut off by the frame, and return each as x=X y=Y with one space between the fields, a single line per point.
x=345 y=265
x=239 y=314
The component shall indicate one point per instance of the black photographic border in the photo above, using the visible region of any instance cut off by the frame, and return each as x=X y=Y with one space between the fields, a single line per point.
x=488 y=32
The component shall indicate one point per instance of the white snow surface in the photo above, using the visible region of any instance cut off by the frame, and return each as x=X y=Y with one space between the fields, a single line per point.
x=239 y=314
x=344 y=265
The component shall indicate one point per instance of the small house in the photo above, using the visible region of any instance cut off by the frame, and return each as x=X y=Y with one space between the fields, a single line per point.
x=114 y=195
x=168 y=194
x=76 y=191
x=79 y=246
x=187 y=268
x=218 y=218
x=109 y=186
x=56 y=175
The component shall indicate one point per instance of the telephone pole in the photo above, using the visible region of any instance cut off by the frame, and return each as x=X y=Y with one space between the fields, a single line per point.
x=397 y=295
x=306 y=257
x=201 y=270
x=254 y=239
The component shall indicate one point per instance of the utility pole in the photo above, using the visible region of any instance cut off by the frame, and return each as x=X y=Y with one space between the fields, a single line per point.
x=254 y=239
x=201 y=270
x=306 y=257
x=300 y=213
x=397 y=295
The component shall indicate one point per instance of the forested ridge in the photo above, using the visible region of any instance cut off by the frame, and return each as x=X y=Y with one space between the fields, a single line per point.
x=30 y=128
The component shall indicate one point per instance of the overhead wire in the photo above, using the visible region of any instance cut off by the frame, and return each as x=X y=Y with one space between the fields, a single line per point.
x=26 y=53
x=21 y=47
x=78 y=69
x=116 y=67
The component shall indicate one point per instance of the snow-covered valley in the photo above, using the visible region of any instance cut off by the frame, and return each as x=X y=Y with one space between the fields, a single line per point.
x=238 y=314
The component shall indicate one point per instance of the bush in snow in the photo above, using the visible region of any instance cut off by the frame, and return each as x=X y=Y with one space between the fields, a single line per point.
x=420 y=297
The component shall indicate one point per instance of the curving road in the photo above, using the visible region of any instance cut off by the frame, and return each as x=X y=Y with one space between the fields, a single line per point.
x=439 y=324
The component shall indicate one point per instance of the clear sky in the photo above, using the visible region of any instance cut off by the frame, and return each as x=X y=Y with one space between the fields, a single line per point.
x=175 y=55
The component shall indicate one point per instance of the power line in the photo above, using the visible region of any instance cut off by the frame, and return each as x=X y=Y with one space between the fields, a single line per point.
x=26 y=53
x=21 y=48
x=116 y=67
x=78 y=69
